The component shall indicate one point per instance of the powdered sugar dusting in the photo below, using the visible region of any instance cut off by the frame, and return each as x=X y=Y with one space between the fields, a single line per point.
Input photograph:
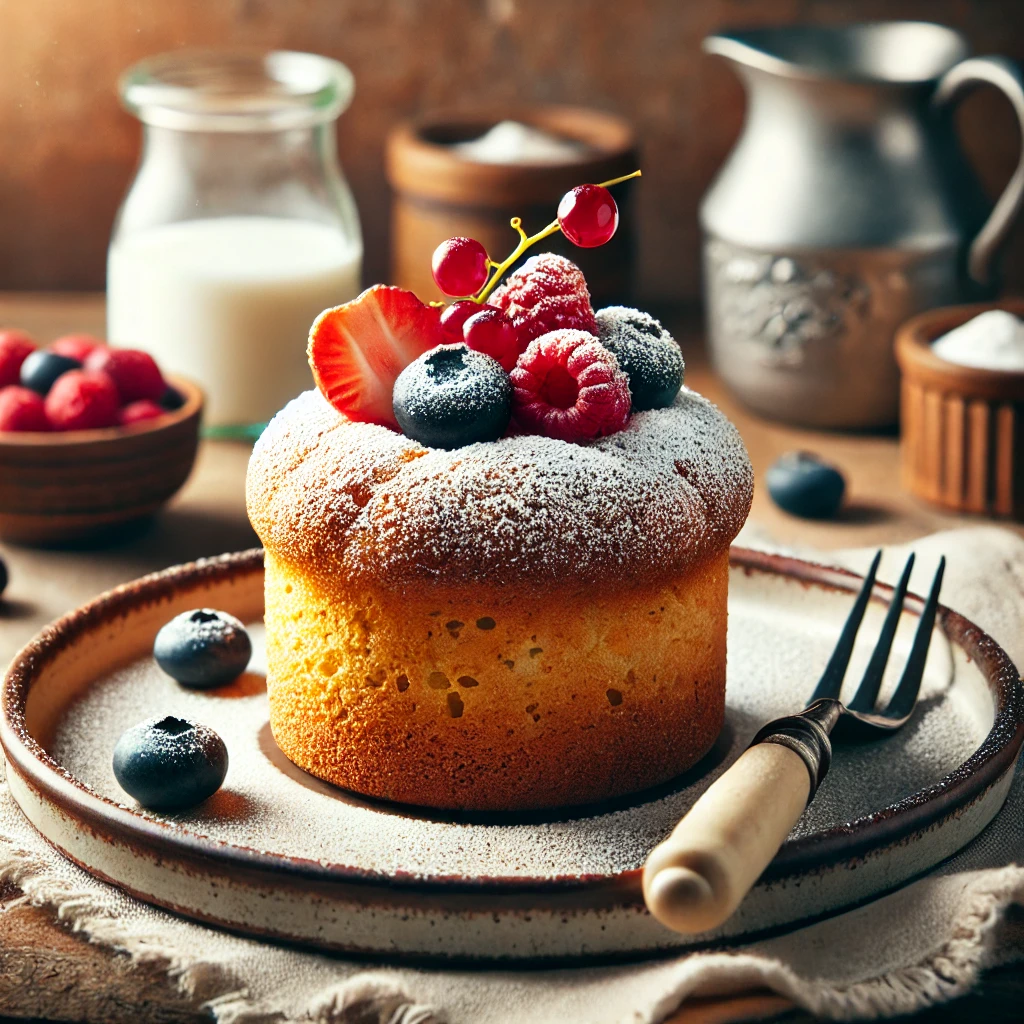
x=359 y=501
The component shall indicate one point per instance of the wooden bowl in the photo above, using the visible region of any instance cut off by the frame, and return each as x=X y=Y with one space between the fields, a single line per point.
x=72 y=486
x=962 y=427
x=439 y=194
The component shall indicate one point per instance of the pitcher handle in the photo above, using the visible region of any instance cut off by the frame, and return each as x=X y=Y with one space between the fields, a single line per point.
x=1006 y=76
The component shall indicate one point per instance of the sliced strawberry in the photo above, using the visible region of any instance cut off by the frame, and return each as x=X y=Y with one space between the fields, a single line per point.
x=358 y=350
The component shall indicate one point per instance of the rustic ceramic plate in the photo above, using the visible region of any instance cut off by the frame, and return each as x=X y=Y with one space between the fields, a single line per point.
x=279 y=853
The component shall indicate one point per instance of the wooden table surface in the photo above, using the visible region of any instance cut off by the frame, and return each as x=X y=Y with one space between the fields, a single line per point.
x=48 y=972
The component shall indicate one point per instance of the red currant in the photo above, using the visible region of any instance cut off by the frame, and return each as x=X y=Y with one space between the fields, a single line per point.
x=587 y=215
x=455 y=315
x=460 y=266
x=490 y=331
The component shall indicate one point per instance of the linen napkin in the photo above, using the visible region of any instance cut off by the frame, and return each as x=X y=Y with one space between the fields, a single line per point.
x=923 y=944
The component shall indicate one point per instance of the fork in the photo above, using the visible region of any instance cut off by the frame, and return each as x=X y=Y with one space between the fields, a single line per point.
x=696 y=878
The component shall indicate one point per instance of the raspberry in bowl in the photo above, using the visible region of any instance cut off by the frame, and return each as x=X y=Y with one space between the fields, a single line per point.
x=508 y=589
x=91 y=437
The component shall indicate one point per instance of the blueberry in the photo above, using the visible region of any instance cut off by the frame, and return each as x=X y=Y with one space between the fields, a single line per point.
x=803 y=485
x=203 y=648
x=42 y=368
x=647 y=353
x=171 y=399
x=170 y=763
x=3 y=577
x=452 y=396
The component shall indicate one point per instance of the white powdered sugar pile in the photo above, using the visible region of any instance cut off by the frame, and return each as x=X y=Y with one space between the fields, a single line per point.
x=993 y=340
x=357 y=501
x=511 y=142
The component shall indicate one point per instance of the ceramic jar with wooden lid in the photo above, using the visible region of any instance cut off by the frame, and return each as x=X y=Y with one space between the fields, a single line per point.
x=439 y=193
x=962 y=427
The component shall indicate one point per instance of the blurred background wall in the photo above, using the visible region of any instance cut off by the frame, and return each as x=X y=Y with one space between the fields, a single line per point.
x=68 y=150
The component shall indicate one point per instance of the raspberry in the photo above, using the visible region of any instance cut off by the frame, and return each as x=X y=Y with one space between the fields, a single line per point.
x=135 y=373
x=76 y=346
x=82 y=400
x=139 y=412
x=547 y=293
x=567 y=385
x=22 y=409
x=15 y=348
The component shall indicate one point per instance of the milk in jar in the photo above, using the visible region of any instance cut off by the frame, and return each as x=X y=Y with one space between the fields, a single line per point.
x=228 y=301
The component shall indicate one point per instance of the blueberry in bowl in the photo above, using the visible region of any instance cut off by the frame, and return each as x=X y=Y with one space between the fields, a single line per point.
x=170 y=763
x=203 y=648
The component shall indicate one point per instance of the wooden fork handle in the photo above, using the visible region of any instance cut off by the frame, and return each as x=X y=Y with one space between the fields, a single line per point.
x=696 y=878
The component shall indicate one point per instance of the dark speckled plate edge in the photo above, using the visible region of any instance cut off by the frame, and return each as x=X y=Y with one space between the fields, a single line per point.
x=890 y=825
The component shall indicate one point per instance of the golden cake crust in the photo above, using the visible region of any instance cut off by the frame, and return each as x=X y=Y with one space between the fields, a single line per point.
x=496 y=698
x=354 y=504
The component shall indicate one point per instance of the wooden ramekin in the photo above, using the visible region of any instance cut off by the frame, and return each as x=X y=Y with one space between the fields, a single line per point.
x=962 y=427
x=68 y=487
x=439 y=194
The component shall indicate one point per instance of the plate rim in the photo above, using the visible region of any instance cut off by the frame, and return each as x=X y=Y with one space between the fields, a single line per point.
x=820 y=850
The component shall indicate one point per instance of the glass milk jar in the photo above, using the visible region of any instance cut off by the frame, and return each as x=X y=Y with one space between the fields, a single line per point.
x=238 y=228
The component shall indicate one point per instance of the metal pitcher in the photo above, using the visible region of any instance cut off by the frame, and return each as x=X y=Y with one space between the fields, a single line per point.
x=845 y=207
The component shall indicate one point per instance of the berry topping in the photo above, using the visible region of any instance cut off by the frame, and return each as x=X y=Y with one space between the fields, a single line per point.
x=40 y=370
x=547 y=293
x=134 y=373
x=802 y=484
x=358 y=350
x=139 y=412
x=75 y=346
x=170 y=763
x=490 y=331
x=22 y=409
x=15 y=348
x=452 y=397
x=203 y=648
x=460 y=266
x=82 y=400
x=588 y=216
x=568 y=386
x=455 y=315
x=647 y=354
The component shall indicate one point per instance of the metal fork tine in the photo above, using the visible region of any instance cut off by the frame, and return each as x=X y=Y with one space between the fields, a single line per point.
x=867 y=693
x=831 y=681
x=905 y=696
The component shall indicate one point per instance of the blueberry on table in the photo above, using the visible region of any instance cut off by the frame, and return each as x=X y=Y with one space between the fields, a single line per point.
x=203 y=648
x=803 y=485
x=453 y=396
x=42 y=368
x=647 y=354
x=170 y=763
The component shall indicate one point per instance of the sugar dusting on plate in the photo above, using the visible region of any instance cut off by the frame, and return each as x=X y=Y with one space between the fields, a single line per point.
x=780 y=636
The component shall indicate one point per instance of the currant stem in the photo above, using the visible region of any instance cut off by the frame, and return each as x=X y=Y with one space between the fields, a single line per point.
x=525 y=241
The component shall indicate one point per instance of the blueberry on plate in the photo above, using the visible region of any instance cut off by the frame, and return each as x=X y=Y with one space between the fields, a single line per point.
x=453 y=396
x=647 y=354
x=803 y=485
x=3 y=577
x=203 y=648
x=170 y=763
x=42 y=368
